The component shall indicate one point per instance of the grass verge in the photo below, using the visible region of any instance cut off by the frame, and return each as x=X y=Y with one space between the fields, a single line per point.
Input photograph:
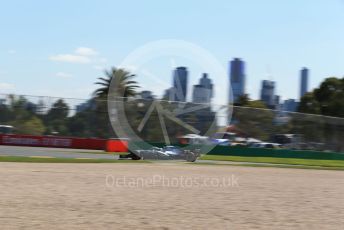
x=62 y=160
x=339 y=164
x=92 y=152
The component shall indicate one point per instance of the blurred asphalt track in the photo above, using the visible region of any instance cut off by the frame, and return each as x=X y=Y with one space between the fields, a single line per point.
x=54 y=152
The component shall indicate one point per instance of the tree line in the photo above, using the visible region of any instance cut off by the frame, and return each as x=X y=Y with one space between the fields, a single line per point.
x=92 y=121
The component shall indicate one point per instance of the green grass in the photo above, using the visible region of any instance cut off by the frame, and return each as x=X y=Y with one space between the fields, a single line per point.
x=92 y=152
x=63 y=160
x=275 y=160
x=272 y=166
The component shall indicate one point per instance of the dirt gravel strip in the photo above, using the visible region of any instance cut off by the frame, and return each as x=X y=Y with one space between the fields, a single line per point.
x=168 y=196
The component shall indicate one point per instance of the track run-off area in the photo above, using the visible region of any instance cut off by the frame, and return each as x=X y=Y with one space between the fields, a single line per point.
x=163 y=194
x=168 y=196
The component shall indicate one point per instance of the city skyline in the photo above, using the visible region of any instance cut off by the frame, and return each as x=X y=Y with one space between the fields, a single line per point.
x=203 y=92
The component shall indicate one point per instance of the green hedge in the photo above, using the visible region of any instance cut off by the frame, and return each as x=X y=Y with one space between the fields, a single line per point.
x=282 y=153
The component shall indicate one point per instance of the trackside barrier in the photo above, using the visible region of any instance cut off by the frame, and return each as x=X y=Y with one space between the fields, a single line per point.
x=53 y=142
x=122 y=145
x=116 y=145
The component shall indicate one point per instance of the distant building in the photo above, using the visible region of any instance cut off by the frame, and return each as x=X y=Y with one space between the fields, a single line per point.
x=267 y=94
x=178 y=92
x=304 y=82
x=147 y=95
x=169 y=94
x=180 y=84
x=290 y=105
x=237 y=78
x=206 y=82
x=203 y=92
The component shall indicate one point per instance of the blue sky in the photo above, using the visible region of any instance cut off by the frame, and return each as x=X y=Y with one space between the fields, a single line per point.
x=59 y=48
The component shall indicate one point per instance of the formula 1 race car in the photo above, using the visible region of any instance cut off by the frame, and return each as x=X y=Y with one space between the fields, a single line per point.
x=165 y=153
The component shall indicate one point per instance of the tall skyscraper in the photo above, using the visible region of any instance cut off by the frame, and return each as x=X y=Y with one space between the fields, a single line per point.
x=268 y=93
x=180 y=83
x=203 y=92
x=304 y=82
x=237 y=78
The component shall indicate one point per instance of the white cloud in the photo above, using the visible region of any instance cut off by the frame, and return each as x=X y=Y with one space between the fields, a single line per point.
x=71 y=58
x=6 y=86
x=82 y=55
x=64 y=75
x=85 y=51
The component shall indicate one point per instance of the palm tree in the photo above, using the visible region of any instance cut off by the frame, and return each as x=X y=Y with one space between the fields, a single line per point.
x=124 y=83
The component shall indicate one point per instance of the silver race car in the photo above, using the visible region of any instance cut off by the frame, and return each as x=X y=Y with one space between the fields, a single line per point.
x=165 y=153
